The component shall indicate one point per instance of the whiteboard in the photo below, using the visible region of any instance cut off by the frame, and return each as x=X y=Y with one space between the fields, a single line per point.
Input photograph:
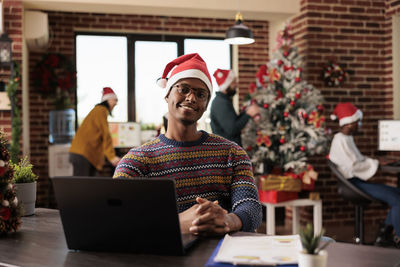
x=389 y=135
x=125 y=134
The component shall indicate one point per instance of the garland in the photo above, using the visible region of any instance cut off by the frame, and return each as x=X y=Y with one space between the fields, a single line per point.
x=16 y=122
x=333 y=75
x=56 y=79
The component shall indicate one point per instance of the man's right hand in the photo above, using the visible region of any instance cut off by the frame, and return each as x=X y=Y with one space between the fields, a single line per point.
x=253 y=110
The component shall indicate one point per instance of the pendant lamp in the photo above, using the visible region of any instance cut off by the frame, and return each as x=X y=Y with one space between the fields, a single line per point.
x=239 y=33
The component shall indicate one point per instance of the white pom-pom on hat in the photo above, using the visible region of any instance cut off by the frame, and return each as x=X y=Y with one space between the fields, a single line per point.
x=333 y=117
x=162 y=82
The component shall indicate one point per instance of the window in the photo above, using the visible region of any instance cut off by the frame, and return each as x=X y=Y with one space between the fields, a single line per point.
x=131 y=65
x=101 y=61
x=150 y=60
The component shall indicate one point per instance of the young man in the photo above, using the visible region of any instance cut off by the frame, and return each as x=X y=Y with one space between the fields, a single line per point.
x=215 y=187
x=359 y=169
x=92 y=142
x=224 y=120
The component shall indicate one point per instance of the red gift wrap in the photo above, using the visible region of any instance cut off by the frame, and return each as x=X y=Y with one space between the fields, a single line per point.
x=274 y=196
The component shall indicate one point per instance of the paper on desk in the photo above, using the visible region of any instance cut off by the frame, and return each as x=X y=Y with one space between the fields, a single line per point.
x=259 y=250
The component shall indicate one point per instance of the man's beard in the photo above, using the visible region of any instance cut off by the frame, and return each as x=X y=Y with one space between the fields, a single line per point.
x=230 y=91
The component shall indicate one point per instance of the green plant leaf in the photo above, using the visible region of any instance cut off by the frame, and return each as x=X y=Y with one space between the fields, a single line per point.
x=23 y=171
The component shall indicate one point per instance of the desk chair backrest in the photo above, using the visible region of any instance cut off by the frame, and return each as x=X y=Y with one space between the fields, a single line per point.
x=349 y=191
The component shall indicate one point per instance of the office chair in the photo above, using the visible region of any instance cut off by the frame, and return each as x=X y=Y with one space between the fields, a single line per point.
x=357 y=197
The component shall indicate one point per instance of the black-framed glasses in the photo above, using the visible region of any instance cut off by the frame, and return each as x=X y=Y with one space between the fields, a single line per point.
x=185 y=90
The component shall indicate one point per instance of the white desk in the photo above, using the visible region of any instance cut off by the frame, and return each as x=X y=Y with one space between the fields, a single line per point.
x=317 y=205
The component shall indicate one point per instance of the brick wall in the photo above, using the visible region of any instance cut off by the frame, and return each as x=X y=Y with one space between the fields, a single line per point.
x=12 y=12
x=62 y=25
x=357 y=35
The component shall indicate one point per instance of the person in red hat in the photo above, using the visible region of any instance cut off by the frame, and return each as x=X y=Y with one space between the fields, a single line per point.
x=359 y=169
x=92 y=142
x=224 y=120
x=216 y=193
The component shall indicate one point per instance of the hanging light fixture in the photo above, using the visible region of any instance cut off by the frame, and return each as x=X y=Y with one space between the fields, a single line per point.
x=239 y=33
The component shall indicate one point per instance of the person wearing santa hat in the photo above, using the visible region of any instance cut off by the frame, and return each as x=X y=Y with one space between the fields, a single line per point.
x=359 y=169
x=224 y=120
x=216 y=193
x=92 y=142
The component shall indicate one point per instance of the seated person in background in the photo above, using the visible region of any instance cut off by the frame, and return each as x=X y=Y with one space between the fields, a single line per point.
x=359 y=169
x=224 y=120
x=92 y=142
x=216 y=193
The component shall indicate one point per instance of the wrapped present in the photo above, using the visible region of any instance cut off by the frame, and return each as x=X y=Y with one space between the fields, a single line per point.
x=286 y=182
x=274 y=196
x=308 y=179
x=308 y=187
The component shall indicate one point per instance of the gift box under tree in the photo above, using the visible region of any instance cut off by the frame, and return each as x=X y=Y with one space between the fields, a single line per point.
x=276 y=188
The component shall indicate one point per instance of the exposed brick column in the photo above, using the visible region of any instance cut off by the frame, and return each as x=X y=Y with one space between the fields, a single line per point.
x=12 y=11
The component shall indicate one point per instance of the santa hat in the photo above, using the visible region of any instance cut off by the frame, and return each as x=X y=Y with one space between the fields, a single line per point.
x=224 y=78
x=187 y=66
x=108 y=93
x=346 y=113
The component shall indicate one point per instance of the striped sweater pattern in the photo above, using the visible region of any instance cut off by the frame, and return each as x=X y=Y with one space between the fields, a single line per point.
x=211 y=167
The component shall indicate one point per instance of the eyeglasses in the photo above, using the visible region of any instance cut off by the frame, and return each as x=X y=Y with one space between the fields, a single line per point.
x=185 y=90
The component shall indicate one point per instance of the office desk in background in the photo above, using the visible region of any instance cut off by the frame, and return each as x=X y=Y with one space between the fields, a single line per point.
x=41 y=242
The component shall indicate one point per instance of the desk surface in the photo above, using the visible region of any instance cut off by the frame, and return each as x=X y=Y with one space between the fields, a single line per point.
x=41 y=242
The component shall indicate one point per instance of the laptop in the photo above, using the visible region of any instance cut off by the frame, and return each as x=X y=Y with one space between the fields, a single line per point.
x=120 y=215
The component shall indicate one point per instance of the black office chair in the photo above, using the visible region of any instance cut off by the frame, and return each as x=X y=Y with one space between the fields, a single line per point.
x=357 y=197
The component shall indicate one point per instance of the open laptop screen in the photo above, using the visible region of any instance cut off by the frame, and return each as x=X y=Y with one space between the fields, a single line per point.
x=389 y=135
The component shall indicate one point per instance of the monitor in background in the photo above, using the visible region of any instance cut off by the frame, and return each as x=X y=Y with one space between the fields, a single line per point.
x=389 y=135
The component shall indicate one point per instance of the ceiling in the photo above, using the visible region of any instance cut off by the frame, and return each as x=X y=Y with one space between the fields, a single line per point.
x=270 y=10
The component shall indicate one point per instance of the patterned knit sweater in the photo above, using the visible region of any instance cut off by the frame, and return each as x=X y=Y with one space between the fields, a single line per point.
x=211 y=167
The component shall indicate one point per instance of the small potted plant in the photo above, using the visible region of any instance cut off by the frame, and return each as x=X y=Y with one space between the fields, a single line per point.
x=25 y=185
x=312 y=254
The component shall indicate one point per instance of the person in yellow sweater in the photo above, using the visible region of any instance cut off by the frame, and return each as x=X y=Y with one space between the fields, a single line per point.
x=92 y=141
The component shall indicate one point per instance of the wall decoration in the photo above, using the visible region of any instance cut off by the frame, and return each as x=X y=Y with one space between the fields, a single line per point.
x=56 y=79
x=333 y=75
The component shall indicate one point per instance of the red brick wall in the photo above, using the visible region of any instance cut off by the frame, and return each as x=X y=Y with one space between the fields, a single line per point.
x=12 y=11
x=62 y=25
x=356 y=34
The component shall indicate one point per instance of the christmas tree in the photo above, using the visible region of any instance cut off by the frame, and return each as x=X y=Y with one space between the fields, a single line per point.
x=10 y=209
x=291 y=125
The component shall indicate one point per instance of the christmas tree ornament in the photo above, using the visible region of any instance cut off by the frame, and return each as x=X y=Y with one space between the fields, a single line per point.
x=252 y=88
x=282 y=140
